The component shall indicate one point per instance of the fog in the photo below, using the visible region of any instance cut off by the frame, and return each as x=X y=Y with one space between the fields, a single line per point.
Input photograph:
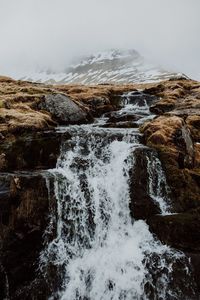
x=37 y=34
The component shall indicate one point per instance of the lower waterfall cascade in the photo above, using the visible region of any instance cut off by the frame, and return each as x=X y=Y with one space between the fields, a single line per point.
x=94 y=249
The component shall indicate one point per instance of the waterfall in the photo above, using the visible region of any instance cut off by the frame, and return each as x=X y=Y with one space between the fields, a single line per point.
x=97 y=251
x=158 y=188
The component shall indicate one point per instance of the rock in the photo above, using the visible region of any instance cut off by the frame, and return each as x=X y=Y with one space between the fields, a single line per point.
x=193 y=122
x=141 y=98
x=182 y=232
x=154 y=90
x=23 y=219
x=2 y=137
x=63 y=109
x=115 y=117
x=195 y=262
x=30 y=151
x=197 y=155
x=162 y=107
x=185 y=112
x=189 y=147
x=176 y=160
x=174 y=138
x=128 y=124
x=2 y=161
x=142 y=204
x=161 y=130
x=101 y=109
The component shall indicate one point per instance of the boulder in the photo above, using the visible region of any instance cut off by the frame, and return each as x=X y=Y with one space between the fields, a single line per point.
x=38 y=150
x=182 y=232
x=63 y=109
x=115 y=117
x=23 y=218
x=142 y=205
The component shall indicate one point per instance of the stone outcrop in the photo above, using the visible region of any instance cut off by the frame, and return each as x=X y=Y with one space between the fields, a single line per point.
x=142 y=206
x=23 y=215
x=30 y=151
x=63 y=109
x=175 y=134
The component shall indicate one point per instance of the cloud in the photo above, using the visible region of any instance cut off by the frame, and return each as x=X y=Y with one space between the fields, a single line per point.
x=50 y=33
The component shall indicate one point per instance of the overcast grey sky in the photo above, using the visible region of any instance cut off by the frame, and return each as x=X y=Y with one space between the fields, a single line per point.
x=50 y=33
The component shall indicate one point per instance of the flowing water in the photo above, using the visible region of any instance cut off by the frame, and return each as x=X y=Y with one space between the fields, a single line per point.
x=94 y=249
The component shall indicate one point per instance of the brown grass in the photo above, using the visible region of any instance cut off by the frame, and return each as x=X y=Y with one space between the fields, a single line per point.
x=19 y=99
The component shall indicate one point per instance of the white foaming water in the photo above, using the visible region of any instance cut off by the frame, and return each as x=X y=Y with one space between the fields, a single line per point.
x=99 y=251
x=158 y=188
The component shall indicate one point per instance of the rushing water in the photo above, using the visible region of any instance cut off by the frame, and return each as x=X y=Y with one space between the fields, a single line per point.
x=95 y=249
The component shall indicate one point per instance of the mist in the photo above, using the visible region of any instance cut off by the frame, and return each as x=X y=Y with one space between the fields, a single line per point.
x=38 y=34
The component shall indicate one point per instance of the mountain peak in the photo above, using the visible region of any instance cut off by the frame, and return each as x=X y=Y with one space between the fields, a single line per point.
x=112 y=66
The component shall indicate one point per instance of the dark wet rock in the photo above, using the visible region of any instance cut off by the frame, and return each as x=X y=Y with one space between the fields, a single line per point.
x=177 y=274
x=181 y=231
x=189 y=147
x=183 y=140
x=184 y=184
x=38 y=289
x=80 y=164
x=161 y=108
x=4 y=292
x=115 y=117
x=98 y=101
x=174 y=136
x=102 y=109
x=142 y=206
x=128 y=124
x=140 y=98
x=39 y=150
x=2 y=137
x=185 y=112
x=23 y=216
x=63 y=109
x=154 y=90
x=195 y=262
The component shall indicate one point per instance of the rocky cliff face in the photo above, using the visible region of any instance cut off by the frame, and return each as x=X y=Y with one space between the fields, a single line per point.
x=29 y=144
x=174 y=133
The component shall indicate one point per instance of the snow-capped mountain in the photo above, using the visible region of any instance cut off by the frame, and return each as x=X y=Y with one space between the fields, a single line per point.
x=111 y=66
